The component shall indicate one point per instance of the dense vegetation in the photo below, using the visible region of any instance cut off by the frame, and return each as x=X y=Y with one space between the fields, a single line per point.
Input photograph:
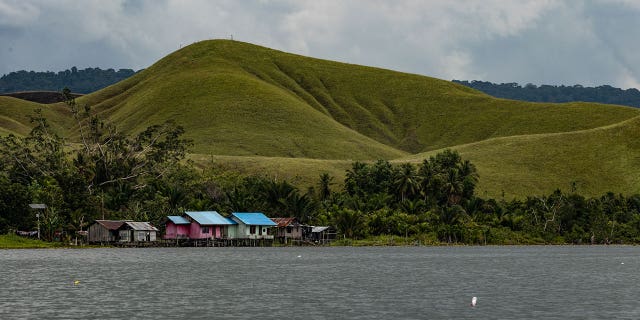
x=547 y=93
x=79 y=81
x=143 y=177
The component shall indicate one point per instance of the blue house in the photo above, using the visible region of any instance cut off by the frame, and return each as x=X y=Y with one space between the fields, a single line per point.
x=251 y=225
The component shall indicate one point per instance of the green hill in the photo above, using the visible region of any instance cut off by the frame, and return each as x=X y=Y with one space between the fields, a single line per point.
x=15 y=116
x=592 y=161
x=262 y=110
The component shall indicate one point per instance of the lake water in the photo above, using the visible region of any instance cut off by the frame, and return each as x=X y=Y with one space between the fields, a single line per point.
x=537 y=282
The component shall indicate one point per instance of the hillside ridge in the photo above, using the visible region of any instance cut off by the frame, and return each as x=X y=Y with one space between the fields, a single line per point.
x=241 y=101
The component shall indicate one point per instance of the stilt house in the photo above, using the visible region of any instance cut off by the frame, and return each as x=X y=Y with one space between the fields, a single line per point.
x=286 y=229
x=132 y=231
x=251 y=225
x=208 y=225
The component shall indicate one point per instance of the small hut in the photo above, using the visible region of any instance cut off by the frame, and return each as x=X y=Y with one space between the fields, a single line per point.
x=322 y=234
x=104 y=231
x=287 y=229
x=132 y=231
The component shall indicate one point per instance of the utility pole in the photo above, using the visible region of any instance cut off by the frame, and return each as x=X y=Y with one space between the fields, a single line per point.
x=38 y=206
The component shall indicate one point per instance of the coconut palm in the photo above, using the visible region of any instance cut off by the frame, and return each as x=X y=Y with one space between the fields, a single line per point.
x=406 y=181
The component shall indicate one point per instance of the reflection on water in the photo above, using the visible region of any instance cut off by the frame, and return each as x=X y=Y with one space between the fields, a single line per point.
x=563 y=282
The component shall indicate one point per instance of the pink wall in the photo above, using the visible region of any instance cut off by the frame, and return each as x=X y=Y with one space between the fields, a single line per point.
x=192 y=231
x=173 y=230
x=196 y=231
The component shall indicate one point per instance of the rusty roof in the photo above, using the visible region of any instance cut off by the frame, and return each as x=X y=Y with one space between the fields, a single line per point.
x=285 y=222
x=111 y=224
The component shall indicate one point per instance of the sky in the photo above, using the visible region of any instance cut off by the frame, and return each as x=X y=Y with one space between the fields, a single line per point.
x=552 y=42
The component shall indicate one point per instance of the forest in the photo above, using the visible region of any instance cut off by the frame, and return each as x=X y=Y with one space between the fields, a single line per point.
x=78 y=81
x=107 y=175
x=548 y=93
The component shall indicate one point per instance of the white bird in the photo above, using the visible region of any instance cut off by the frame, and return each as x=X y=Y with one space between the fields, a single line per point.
x=474 y=301
x=299 y=256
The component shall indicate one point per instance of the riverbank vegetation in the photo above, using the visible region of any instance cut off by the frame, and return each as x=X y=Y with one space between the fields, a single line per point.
x=145 y=177
x=12 y=241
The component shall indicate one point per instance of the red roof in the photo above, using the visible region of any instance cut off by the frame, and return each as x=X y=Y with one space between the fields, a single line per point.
x=284 y=222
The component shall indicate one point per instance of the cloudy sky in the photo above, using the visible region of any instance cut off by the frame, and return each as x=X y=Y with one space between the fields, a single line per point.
x=540 y=41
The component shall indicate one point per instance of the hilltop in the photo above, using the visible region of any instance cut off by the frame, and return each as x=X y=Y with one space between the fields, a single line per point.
x=255 y=108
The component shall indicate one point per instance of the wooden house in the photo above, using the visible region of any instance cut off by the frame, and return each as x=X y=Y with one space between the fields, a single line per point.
x=104 y=231
x=177 y=227
x=208 y=225
x=251 y=225
x=286 y=229
x=132 y=231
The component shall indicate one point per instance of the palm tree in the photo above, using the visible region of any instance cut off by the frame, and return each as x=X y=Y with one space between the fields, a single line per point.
x=428 y=181
x=451 y=218
x=275 y=193
x=325 y=186
x=348 y=221
x=406 y=183
x=413 y=206
x=470 y=177
x=302 y=207
x=453 y=186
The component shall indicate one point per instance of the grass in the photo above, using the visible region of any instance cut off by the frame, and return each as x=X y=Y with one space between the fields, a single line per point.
x=597 y=160
x=14 y=116
x=12 y=241
x=257 y=110
x=239 y=99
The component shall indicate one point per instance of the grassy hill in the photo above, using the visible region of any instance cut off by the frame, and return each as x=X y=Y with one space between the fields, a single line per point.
x=260 y=110
x=595 y=160
x=15 y=113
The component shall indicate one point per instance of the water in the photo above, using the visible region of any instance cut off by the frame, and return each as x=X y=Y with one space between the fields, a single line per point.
x=538 y=282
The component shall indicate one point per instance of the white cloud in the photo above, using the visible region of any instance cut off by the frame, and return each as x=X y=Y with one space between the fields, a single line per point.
x=537 y=41
x=17 y=13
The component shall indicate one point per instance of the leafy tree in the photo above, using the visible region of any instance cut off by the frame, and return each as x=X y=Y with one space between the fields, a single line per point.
x=81 y=81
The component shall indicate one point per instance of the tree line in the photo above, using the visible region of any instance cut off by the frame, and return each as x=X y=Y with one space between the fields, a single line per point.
x=79 y=81
x=105 y=174
x=548 y=93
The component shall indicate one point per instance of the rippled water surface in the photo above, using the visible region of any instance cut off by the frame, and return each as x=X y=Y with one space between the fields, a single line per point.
x=538 y=282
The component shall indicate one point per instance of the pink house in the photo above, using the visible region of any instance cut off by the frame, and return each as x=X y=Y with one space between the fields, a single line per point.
x=177 y=227
x=198 y=225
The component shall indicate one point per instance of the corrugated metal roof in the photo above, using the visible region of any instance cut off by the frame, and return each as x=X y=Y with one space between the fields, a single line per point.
x=141 y=226
x=253 y=218
x=285 y=222
x=208 y=218
x=178 y=220
x=318 y=229
x=110 y=224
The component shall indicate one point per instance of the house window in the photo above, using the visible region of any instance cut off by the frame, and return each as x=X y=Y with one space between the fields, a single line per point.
x=205 y=229
x=289 y=229
x=252 y=229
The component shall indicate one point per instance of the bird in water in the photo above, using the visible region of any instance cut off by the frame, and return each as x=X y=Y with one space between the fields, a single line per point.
x=77 y=282
x=474 y=301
